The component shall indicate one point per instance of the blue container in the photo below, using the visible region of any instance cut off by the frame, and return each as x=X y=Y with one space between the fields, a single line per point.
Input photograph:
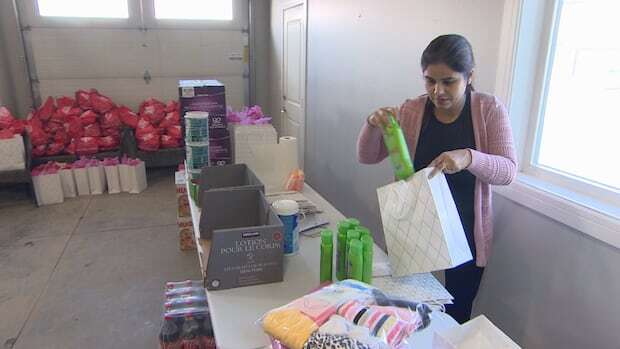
x=288 y=211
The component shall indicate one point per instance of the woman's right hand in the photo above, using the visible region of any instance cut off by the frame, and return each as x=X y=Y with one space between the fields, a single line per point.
x=380 y=118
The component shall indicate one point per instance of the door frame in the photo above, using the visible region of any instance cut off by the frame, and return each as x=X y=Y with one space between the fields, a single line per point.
x=283 y=5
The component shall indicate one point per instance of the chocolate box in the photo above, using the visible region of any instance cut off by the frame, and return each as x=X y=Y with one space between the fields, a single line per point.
x=204 y=95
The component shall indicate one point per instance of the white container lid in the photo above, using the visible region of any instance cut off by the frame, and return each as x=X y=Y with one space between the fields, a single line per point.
x=197 y=144
x=286 y=207
x=197 y=114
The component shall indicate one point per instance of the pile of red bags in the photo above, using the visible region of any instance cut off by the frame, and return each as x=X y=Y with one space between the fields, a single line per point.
x=84 y=125
x=158 y=125
x=9 y=125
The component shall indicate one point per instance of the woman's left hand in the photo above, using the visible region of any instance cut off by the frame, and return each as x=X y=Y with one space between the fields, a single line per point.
x=450 y=162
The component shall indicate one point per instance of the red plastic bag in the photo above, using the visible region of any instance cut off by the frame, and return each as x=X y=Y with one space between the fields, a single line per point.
x=149 y=141
x=174 y=131
x=73 y=127
x=46 y=110
x=83 y=98
x=33 y=120
x=92 y=130
x=54 y=149
x=128 y=117
x=108 y=143
x=170 y=119
x=39 y=150
x=38 y=137
x=87 y=146
x=54 y=126
x=153 y=109
x=116 y=132
x=61 y=137
x=111 y=119
x=7 y=133
x=65 y=101
x=101 y=104
x=71 y=148
x=18 y=126
x=6 y=118
x=172 y=106
x=170 y=142
x=144 y=127
x=59 y=115
x=88 y=117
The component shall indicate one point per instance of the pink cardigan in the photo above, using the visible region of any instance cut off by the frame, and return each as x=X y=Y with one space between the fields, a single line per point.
x=493 y=161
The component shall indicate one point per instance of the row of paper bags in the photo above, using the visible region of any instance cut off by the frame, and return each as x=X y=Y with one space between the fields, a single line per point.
x=53 y=181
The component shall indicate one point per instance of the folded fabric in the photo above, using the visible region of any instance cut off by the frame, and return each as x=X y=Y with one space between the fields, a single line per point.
x=389 y=323
x=289 y=326
x=337 y=325
x=329 y=341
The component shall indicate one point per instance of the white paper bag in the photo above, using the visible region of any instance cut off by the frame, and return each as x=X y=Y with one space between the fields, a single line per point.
x=137 y=175
x=125 y=178
x=68 y=183
x=12 y=154
x=96 y=180
x=273 y=163
x=113 y=179
x=478 y=333
x=243 y=137
x=81 y=181
x=422 y=227
x=48 y=189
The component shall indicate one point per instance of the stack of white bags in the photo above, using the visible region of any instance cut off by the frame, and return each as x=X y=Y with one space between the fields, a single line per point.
x=53 y=182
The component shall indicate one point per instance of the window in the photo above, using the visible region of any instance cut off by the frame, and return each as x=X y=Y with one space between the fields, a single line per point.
x=84 y=8
x=194 y=9
x=577 y=142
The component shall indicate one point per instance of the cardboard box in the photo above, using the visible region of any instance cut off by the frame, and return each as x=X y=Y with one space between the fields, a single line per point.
x=204 y=95
x=220 y=149
x=187 y=241
x=246 y=239
x=183 y=210
x=229 y=177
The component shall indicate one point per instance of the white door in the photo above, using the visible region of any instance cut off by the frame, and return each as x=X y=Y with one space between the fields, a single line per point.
x=294 y=75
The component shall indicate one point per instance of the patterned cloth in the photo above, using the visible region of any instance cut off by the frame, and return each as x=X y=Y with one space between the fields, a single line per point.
x=328 y=341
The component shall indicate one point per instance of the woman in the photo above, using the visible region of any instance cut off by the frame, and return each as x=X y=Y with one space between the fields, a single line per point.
x=464 y=134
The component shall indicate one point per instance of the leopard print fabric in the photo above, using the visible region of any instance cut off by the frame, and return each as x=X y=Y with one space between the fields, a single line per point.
x=328 y=341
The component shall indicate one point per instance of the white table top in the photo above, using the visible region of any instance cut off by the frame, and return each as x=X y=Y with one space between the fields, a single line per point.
x=234 y=312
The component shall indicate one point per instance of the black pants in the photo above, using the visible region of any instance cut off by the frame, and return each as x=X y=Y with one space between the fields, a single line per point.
x=463 y=282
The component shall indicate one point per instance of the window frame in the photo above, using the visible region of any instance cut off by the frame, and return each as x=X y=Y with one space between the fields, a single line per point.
x=599 y=192
x=29 y=15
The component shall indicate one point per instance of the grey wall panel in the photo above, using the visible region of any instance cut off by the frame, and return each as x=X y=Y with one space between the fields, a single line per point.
x=262 y=52
x=363 y=55
x=548 y=285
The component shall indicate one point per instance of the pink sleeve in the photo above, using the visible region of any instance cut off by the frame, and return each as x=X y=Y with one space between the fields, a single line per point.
x=499 y=166
x=370 y=146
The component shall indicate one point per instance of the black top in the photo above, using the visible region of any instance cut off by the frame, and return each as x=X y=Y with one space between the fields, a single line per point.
x=436 y=138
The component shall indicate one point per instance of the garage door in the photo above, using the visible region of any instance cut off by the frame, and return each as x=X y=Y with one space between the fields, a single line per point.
x=140 y=56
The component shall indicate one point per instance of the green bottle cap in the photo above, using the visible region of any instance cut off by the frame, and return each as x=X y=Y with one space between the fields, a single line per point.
x=327 y=237
x=353 y=234
x=353 y=223
x=364 y=231
x=344 y=226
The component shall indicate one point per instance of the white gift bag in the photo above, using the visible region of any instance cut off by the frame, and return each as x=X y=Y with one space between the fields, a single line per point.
x=96 y=179
x=113 y=179
x=47 y=188
x=137 y=177
x=422 y=227
x=273 y=163
x=478 y=333
x=81 y=181
x=12 y=154
x=125 y=178
x=68 y=183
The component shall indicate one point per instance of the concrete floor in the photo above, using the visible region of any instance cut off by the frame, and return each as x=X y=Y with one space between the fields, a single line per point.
x=90 y=272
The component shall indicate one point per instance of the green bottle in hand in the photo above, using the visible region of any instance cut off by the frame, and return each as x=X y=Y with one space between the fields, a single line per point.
x=397 y=149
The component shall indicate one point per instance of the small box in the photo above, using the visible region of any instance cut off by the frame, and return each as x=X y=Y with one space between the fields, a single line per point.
x=183 y=210
x=228 y=177
x=187 y=241
x=246 y=239
x=204 y=95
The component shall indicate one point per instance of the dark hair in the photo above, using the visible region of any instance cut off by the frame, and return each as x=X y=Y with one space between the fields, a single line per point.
x=452 y=50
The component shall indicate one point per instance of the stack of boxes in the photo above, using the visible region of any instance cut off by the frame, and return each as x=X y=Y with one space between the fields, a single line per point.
x=209 y=96
x=187 y=242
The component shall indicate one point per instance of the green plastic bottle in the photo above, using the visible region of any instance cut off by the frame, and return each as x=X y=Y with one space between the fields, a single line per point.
x=341 y=256
x=351 y=235
x=327 y=255
x=363 y=231
x=356 y=260
x=397 y=149
x=367 y=256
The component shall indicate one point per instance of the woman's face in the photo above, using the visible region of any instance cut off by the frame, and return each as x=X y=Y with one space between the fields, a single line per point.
x=445 y=86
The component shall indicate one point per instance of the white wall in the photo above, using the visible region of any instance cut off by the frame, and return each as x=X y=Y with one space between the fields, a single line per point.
x=261 y=12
